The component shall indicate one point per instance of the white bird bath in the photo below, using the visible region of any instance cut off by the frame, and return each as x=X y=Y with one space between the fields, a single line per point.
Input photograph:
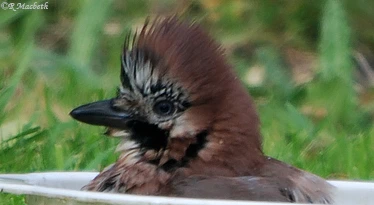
x=63 y=188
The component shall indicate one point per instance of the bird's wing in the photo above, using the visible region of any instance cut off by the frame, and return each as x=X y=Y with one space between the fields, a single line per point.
x=309 y=188
x=236 y=188
x=276 y=181
x=306 y=189
x=298 y=185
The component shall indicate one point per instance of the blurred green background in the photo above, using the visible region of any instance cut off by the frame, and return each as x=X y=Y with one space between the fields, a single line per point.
x=307 y=64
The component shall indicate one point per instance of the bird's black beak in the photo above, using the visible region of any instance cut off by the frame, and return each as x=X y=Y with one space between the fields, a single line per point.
x=102 y=113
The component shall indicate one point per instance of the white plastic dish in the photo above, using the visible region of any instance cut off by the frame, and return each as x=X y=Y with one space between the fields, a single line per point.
x=59 y=188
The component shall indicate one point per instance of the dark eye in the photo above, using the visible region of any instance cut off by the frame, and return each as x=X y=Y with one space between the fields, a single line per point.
x=164 y=108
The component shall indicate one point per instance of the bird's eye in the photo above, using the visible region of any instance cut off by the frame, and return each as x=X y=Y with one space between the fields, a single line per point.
x=164 y=108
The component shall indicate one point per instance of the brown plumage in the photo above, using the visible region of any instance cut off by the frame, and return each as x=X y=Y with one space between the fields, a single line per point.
x=189 y=127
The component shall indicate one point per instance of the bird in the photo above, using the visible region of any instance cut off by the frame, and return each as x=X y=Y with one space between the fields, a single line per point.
x=188 y=126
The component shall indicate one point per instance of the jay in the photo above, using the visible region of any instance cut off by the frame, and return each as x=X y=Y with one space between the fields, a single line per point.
x=188 y=126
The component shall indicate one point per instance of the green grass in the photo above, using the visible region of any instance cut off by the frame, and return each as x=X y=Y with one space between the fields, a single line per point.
x=54 y=60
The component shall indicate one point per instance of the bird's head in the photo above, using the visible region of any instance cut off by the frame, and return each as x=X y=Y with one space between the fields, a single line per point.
x=178 y=100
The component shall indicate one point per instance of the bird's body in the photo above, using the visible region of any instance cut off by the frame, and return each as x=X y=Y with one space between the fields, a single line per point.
x=189 y=128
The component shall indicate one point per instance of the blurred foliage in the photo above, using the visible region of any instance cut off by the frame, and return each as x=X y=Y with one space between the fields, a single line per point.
x=308 y=65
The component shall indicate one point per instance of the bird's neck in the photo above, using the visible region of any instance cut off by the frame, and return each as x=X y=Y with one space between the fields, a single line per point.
x=222 y=157
x=233 y=145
